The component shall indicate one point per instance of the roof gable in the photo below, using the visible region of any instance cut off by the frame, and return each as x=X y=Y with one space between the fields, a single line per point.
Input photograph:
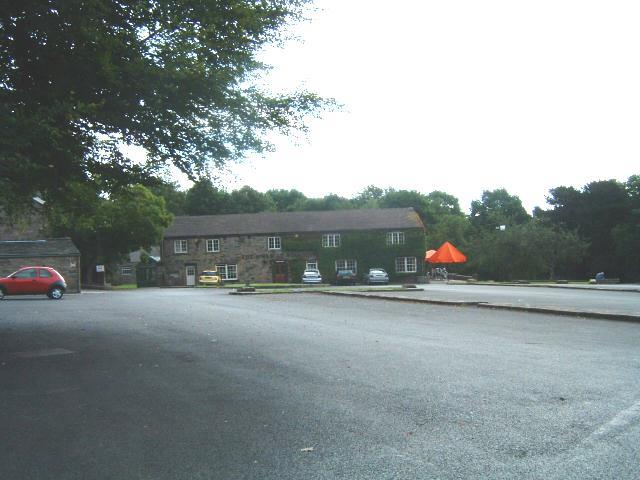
x=294 y=222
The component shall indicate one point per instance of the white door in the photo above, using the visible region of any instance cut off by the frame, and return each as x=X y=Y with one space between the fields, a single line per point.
x=191 y=276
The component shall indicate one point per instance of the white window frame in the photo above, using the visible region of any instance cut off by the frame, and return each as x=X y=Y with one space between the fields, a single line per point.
x=347 y=264
x=312 y=264
x=406 y=265
x=126 y=271
x=213 y=245
x=395 y=238
x=180 y=246
x=228 y=271
x=274 y=243
x=331 y=240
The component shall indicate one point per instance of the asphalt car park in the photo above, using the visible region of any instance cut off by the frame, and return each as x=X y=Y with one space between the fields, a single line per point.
x=196 y=383
x=624 y=301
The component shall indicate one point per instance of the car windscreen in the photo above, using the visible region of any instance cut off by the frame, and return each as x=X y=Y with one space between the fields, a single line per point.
x=209 y=273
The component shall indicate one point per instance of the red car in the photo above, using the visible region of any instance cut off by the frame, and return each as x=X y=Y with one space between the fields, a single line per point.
x=33 y=280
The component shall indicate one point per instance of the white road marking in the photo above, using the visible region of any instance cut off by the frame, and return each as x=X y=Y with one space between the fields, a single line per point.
x=617 y=423
x=43 y=353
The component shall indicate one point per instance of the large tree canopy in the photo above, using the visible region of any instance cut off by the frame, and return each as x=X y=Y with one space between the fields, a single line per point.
x=105 y=229
x=81 y=78
x=496 y=208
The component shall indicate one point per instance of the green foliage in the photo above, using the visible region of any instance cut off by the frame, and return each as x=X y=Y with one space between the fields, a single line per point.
x=552 y=244
x=369 y=248
x=527 y=251
x=369 y=197
x=286 y=200
x=80 y=79
x=496 y=208
x=452 y=228
x=248 y=200
x=105 y=229
x=605 y=213
x=174 y=198
x=404 y=198
x=328 y=202
x=205 y=199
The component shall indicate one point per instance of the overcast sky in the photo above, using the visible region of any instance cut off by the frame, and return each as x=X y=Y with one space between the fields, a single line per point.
x=460 y=96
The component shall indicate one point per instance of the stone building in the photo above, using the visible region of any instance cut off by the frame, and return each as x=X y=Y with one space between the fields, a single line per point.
x=124 y=271
x=58 y=253
x=278 y=246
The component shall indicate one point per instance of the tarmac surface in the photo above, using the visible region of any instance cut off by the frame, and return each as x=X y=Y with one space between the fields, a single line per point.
x=198 y=384
x=616 y=302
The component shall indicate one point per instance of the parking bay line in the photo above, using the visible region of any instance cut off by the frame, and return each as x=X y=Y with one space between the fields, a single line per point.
x=49 y=352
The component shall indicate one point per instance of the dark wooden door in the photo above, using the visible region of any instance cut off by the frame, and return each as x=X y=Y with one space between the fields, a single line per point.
x=280 y=272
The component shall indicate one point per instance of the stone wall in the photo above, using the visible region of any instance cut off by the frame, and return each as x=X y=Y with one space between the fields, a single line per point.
x=68 y=267
x=256 y=263
x=117 y=278
x=248 y=252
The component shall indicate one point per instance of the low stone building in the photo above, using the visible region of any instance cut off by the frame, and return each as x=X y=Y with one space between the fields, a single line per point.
x=278 y=246
x=126 y=271
x=58 y=253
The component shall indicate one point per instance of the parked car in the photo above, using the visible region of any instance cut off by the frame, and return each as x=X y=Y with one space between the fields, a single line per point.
x=376 y=275
x=311 y=275
x=34 y=281
x=346 y=277
x=209 y=277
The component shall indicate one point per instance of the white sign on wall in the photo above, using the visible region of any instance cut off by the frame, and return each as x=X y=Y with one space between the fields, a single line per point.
x=99 y=268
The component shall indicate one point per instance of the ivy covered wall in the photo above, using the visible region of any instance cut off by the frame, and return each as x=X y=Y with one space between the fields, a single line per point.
x=368 y=248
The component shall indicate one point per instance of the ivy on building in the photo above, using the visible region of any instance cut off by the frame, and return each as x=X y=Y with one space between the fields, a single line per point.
x=368 y=248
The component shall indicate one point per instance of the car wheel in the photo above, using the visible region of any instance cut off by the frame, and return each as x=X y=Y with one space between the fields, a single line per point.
x=55 y=293
x=1 y=294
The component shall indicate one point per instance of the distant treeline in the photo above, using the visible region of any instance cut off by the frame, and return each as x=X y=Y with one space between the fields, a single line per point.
x=583 y=231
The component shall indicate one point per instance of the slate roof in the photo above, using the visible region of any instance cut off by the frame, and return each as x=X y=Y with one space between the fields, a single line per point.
x=154 y=253
x=294 y=222
x=54 y=247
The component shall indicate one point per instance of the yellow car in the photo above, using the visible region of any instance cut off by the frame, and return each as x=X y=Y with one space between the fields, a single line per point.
x=209 y=277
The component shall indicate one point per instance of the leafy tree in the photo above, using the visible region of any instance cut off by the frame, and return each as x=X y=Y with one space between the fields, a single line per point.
x=249 y=200
x=568 y=209
x=104 y=229
x=286 y=200
x=405 y=198
x=626 y=236
x=496 y=208
x=80 y=79
x=431 y=207
x=602 y=213
x=174 y=198
x=369 y=197
x=205 y=199
x=328 y=202
x=608 y=206
x=441 y=203
x=449 y=228
x=532 y=250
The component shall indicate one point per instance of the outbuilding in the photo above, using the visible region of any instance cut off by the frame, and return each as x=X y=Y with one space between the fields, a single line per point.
x=58 y=253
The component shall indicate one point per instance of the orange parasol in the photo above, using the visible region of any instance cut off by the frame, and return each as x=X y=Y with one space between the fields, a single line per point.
x=429 y=254
x=447 y=253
